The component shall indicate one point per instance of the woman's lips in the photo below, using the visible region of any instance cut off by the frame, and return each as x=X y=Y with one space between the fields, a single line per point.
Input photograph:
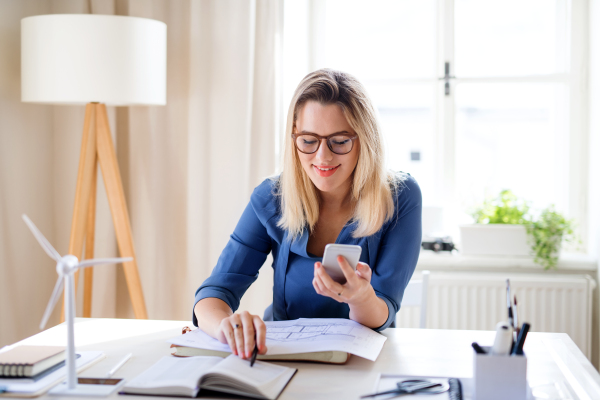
x=325 y=170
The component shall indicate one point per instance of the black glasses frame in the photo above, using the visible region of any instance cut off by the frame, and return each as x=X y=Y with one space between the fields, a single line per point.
x=320 y=139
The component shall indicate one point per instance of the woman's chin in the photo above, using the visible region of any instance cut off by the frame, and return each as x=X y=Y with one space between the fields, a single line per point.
x=327 y=185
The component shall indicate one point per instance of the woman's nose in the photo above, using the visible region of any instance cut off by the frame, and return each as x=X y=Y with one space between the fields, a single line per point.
x=323 y=153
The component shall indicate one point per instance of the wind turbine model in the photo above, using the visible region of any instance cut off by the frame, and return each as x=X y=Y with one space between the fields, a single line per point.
x=65 y=267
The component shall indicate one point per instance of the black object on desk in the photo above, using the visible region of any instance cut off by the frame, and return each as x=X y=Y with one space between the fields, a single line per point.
x=478 y=349
x=424 y=387
x=438 y=244
x=254 y=352
x=518 y=349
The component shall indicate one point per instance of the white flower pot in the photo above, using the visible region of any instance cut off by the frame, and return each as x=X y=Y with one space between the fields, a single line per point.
x=494 y=240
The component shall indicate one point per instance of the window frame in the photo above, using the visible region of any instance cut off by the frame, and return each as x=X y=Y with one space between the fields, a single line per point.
x=445 y=128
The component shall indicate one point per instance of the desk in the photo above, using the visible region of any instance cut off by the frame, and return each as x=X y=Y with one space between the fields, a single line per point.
x=551 y=357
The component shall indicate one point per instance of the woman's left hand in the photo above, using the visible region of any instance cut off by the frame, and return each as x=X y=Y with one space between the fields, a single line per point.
x=356 y=289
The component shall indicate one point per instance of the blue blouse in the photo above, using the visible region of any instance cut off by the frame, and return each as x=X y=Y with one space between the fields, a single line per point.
x=392 y=253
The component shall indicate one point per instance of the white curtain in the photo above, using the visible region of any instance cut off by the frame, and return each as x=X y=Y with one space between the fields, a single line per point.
x=188 y=168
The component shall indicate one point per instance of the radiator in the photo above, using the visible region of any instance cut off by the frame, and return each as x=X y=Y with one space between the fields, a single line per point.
x=474 y=300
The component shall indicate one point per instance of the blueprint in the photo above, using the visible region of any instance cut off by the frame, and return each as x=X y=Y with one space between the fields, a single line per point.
x=303 y=336
x=305 y=332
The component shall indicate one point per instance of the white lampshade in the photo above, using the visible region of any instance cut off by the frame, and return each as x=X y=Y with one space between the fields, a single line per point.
x=83 y=58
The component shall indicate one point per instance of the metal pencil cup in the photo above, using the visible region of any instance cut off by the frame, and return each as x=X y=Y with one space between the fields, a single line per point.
x=499 y=377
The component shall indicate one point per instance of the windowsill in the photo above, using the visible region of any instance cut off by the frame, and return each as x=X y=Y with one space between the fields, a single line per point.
x=569 y=263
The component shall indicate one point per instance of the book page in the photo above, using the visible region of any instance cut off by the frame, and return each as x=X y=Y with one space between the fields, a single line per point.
x=259 y=374
x=235 y=375
x=302 y=336
x=172 y=371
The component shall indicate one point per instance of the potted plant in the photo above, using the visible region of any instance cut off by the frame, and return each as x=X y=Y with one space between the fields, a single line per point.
x=546 y=235
x=505 y=227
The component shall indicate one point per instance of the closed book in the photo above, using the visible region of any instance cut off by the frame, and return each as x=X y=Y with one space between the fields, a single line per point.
x=39 y=384
x=176 y=376
x=328 y=357
x=28 y=361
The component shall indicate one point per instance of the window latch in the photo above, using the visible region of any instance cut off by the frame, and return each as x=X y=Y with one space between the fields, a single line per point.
x=446 y=78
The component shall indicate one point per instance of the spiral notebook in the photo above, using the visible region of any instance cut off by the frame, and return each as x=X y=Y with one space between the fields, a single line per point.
x=29 y=360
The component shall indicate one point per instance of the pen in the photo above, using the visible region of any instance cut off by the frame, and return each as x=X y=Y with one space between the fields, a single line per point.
x=478 y=349
x=509 y=304
x=518 y=350
x=119 y=365
x=516 y=317
x=254 y=352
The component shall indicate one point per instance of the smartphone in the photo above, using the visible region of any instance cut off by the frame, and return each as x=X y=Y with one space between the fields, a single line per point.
x=88 y=387
x=349 y=251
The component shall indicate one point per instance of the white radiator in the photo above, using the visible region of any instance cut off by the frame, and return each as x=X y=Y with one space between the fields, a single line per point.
x=474 y=300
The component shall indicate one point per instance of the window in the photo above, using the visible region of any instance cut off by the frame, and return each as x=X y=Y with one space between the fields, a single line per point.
x=474 y=96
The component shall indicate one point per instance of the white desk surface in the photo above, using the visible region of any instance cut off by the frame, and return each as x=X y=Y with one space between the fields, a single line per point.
x=429 y=352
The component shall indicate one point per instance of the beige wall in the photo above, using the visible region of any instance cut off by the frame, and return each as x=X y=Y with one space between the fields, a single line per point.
x=187 y=169
x=39 y=148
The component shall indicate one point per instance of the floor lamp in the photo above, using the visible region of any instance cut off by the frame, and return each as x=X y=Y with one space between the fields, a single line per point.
x=96 y=60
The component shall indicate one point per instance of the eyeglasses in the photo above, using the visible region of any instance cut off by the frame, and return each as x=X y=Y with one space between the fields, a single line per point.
x=422 y=386
x=338 y=143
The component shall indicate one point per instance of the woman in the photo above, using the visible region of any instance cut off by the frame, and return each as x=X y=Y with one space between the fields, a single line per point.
x=333 y=189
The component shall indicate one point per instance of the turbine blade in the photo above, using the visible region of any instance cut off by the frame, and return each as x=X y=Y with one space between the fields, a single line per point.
x=41 y=239
x=101 y=261
x=53 y=299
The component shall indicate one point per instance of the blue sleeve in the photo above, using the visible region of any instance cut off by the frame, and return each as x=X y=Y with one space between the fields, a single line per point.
x=399 y=249
x=244 y=254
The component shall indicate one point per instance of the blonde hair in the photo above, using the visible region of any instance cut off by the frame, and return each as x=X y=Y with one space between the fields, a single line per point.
x=372 y=186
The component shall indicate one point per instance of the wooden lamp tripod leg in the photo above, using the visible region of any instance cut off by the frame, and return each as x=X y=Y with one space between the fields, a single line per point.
x=88 y=274
x=97 y=146
x=118 y=207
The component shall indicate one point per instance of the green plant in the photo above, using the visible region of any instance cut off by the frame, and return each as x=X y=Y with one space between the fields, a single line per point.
x=546 y=235
x=504 y=209
x=546 y=232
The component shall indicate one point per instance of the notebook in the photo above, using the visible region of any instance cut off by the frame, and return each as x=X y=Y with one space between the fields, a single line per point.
x=176 y=376
x=35 y=378
x=33 y=387
x=27 y=361
x=329 y=357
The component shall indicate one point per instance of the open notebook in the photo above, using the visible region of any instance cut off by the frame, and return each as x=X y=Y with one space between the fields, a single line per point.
x=175 y=376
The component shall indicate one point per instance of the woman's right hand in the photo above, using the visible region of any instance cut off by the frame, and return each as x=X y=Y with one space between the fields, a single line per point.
x=239 y=331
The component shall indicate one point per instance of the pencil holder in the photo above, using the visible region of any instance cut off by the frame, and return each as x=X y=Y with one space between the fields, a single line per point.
x=499 y=377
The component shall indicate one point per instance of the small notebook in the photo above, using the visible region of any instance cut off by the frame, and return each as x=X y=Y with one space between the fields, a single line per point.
x=27 y=361
x=33 y=387
x=176 y=376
